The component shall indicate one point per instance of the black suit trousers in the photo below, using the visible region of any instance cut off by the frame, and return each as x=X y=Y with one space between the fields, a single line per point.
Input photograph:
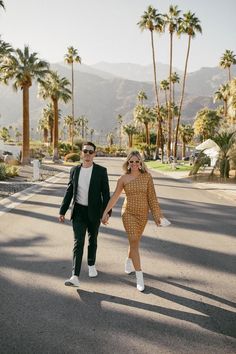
x=81 y=225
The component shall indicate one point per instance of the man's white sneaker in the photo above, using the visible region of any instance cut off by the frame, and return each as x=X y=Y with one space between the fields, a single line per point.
x=128 y=266
x=92 y=271
x=73 y=281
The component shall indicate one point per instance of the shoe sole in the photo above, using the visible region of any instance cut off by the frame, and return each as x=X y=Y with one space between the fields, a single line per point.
x=93 y=276
x=68 y=283
x=129 y=272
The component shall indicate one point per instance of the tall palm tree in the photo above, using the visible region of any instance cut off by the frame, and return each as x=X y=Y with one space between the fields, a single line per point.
x=171 y=22
x=153 y=21
x=227 y=60
x=72 y=57
x=189 y=25
x=55 y=88
x=23 y=67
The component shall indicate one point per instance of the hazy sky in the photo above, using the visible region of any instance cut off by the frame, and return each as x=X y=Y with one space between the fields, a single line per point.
x=106 y=30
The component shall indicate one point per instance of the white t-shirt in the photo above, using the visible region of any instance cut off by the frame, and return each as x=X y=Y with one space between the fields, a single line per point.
x=83 y=185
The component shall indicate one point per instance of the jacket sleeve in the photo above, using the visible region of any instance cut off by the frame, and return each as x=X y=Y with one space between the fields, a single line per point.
x=68 y=194
x=153 y=201
x=105 y=191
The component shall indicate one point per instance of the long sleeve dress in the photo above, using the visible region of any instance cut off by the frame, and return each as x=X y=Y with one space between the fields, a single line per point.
x=140 y=198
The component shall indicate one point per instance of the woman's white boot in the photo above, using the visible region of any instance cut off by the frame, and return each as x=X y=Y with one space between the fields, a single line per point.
x=128 y=266
x=140 y=281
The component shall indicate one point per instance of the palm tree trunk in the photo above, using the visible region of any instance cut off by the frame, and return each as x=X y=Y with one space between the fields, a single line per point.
x=73 y=111
x=229 y=74
x=147 y=135
x=25 y=158
x=170 y=100
x=159 y=139
x=55 y=131
x=182 y=99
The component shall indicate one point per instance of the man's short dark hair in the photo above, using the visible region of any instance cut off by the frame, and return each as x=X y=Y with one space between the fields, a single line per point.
x=90 y=144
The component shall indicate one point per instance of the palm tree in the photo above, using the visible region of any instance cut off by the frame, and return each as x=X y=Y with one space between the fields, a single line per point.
x=222 y=94
x=165 y=86
x=189 y=25
x=82 y=122
x=120 y=121
x=225 y=141
x=68 y=122
x=130 y=130
x=141 y=97
x=55 y=88
x=186 y=133
x=153 y=21
x=227 y=60
x=232 y=101
x=171 y=21
x=206 y=123
x=5 y=49
x=2 y=4
x=23 y=67
x=72 y=57
x=91 y=134
x=145 y=115
x=43 y=127
x=175 y=79
x=48 y=115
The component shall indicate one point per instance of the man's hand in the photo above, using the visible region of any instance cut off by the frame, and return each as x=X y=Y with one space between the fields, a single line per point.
x=61 y=218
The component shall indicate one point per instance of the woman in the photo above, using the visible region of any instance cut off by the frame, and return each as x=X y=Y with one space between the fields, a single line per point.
x=140 y=193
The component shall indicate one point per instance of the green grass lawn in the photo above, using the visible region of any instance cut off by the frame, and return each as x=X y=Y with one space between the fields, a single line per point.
x=167 y=167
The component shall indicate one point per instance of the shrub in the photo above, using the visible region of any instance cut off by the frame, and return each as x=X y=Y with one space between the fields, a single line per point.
x=3 y=172
x=12 y=171
x=73 y=156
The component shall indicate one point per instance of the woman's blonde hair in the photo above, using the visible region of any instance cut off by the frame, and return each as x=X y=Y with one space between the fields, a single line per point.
x=143 y=167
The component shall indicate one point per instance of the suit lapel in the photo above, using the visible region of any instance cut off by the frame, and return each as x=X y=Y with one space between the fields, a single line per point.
x=93 y=179
x=76 y=180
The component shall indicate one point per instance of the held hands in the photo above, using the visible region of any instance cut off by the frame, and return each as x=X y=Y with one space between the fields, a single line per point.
x=105 y=219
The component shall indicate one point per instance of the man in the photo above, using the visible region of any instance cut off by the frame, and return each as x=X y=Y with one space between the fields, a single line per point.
x=88 y=189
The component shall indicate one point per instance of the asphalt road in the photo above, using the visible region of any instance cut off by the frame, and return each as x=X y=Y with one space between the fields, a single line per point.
x=188 y=306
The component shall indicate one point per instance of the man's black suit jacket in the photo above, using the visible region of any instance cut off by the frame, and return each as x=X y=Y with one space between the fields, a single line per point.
x=98 y=196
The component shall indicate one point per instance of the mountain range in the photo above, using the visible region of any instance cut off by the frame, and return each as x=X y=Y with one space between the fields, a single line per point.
x=104 y=90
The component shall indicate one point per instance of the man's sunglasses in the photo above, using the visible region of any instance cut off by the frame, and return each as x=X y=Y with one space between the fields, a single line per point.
x=85 y=151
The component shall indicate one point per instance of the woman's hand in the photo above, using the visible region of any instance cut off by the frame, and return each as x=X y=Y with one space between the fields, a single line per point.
x=105 y=219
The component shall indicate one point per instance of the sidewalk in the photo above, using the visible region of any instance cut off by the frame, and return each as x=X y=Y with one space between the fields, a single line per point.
x=223 y=190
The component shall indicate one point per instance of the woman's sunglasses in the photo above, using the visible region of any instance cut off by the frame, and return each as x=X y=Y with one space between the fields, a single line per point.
x=131 y=161
x=85 y=151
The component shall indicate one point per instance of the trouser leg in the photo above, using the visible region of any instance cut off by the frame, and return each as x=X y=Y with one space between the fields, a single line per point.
x=93 y=228
x=79 y=227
